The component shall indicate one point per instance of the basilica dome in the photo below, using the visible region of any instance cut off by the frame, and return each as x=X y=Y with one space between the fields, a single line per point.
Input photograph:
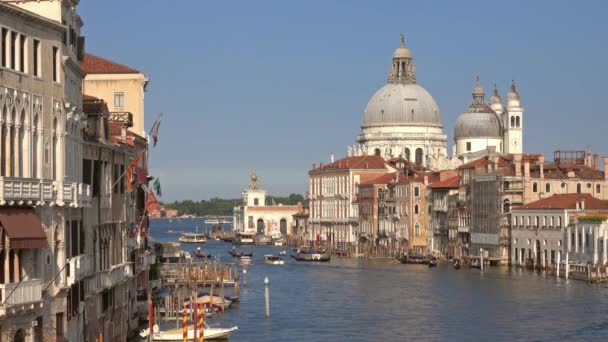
x=479 y=120
x=402 y=104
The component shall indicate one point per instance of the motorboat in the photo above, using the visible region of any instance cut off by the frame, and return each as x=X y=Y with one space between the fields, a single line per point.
x=413 y=259
x=192 y=238
x=273 y=259
x=262 y=240
x=209 y=333
x=310 y=254
x=244 y=238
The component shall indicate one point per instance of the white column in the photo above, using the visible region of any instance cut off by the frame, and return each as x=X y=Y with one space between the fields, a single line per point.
x=7 y=148
x=575 y=239
x=583 y=240
x=18 y=52
x=17 y=148
x=595 y=245
x=26 y=152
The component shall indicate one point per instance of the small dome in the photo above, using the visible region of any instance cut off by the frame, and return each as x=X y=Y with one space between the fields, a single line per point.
x=402 y=52
x=479 y=120
x=513 y=94
x=398 y=104
x=495 y=99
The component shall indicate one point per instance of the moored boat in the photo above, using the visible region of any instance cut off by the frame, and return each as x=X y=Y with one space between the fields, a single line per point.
x=244 y=238
x=239 y=254
x=413 y=259
x=273 y=259
x=310 y=254
x=209 y=333
x=279 y=241
x=262 y=240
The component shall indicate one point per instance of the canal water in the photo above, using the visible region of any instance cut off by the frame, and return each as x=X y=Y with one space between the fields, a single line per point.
x=383 y=300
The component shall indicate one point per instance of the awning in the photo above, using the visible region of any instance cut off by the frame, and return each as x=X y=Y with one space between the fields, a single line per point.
x=23 y=228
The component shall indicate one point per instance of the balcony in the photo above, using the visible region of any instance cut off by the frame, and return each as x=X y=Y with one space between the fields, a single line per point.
x=463 y=229
x=26 y=191
x=150 y=258
x=25 y=295
x=120 y=273
x=80 y=267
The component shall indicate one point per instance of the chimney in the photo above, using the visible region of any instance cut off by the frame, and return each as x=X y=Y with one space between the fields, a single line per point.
x=541 y=163
x=517 y=160
x=596 y=161
x=605 y=168
x=527 y=168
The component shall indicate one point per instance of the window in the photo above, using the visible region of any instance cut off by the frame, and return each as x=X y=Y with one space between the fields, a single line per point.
x=588 y=185
x=55 y=64
x=416 y=191
x=512 y=121
x=416 y=230
x=468 y=146
x=59 y=325
x=256 y=201
x=506 y=185
x=36 y=58
x=416 y=209
x=4 y=47
x=22 y=54
x=419 y=156
x=517 y=121
x=534 y=187
x=598 y=188
x=547 y=187
x=407 y=154
x=578 y=188
x=64 y=35
x=14 y=36
x=377 y=152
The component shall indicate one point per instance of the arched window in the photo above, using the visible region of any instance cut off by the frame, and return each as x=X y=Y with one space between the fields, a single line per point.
x=260 y=226
x=598 y=188
x=578 y=188
x=534 y=187
x=419 y=156
x=416 y=230
x=506 y=185
x=506 y=206
x=407 y=154
x=517 y=121
x=416 y=209
x=512 y=121
x=377 y=152
x=559 y=221
x=547 y=188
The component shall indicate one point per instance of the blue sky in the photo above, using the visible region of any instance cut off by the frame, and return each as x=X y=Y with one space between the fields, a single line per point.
x=279 y=85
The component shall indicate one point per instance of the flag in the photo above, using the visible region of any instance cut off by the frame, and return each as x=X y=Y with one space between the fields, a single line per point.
x=154 y=130
x=152 y=202
x=129 y=172
x=134 y=229
x=156 y=186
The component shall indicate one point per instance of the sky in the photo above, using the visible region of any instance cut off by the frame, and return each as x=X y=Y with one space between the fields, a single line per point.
x=275 y=86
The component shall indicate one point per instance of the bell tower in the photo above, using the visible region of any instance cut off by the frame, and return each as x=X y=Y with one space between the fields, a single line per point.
x=514 y=123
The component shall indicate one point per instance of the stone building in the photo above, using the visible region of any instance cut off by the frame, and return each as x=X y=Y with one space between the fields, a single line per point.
x=587 y=239
x=441 y=193
x=120 y=86
x=254 y=215
x=334 y=194
x=544 y=230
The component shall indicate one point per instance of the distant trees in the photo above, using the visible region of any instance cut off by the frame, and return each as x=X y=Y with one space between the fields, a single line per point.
x=219 y=206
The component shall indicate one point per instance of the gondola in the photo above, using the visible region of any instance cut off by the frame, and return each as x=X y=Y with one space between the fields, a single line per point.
x=456 y=265
x=239 y=254
x=311 y=254
x=433 y=262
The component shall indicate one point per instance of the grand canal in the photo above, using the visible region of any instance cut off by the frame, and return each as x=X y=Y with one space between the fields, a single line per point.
x=383 y=300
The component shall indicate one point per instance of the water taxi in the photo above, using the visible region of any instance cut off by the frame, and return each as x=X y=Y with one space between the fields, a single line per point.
x=192 y=238
x=273 y=259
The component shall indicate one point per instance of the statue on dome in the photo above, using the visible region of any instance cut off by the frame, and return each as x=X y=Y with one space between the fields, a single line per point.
x=402 y=39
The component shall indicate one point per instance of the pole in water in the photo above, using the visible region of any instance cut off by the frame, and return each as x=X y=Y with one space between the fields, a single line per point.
x=558 y=262
x=244 y=277
x=201 y=324
x=185 y=325
x=267 y=297
x=481 y=257
x=567 y=265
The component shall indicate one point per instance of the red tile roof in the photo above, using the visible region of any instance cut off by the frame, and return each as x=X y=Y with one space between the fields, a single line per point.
x=384 y=179
x=484 y=161
x=360 y=162
x=86 y=97
x=93 y=105
x=566 y=201
x=97 y=65
x=450 y=183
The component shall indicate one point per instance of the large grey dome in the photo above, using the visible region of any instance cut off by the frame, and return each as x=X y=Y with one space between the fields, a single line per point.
x=399 y=104
x=478 y=121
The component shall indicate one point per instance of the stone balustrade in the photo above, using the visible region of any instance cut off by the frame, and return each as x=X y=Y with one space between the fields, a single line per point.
x=37 y=192
x=19 y=295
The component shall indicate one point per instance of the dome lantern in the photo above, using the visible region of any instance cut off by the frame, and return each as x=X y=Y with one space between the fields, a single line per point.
x=402 y=70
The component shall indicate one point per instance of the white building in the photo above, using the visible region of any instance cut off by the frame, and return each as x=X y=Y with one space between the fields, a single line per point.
x=485 y=125
x=403 y=119
x=255 y=216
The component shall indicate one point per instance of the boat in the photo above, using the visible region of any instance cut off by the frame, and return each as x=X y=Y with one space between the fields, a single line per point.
x=209 y=333
x=200 y=254
x=244 y=238
x=279 y=241
x=433 y=262
x=192 y=237
x=456 y=264
x=310 y=254
x=475 y=264
x=273 y=259
x=262 y=240
x=413 y=259
x=239 y=254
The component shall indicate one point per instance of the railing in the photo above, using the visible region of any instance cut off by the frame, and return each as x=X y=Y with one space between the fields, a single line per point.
x=120 y=273
x=103 y=279
x=463 y=229
x=27 y=291
x=25 y=191
x=80 y=267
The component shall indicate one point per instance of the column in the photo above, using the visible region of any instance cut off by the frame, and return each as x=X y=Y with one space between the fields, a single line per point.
x=17 y=150
x=583 y=240
x=16 y=266
x=17 y=52
x=7 y=149
x=595 y=241
x=39 y=153
x=26 y=152
x=7 y=265
x=575 y=239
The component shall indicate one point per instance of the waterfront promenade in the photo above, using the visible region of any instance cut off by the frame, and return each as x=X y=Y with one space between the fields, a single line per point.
x=382 y=300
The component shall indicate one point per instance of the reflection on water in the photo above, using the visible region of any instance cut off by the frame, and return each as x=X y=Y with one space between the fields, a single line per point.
x=383 y=300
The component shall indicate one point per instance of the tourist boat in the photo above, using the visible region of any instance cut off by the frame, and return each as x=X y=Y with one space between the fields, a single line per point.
x=210 y=333
x=311 y=254
x=244 y=238
x=279 y=241
x=262 y=240
x=433 y=262
x=273 y=259
x=192 y=238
